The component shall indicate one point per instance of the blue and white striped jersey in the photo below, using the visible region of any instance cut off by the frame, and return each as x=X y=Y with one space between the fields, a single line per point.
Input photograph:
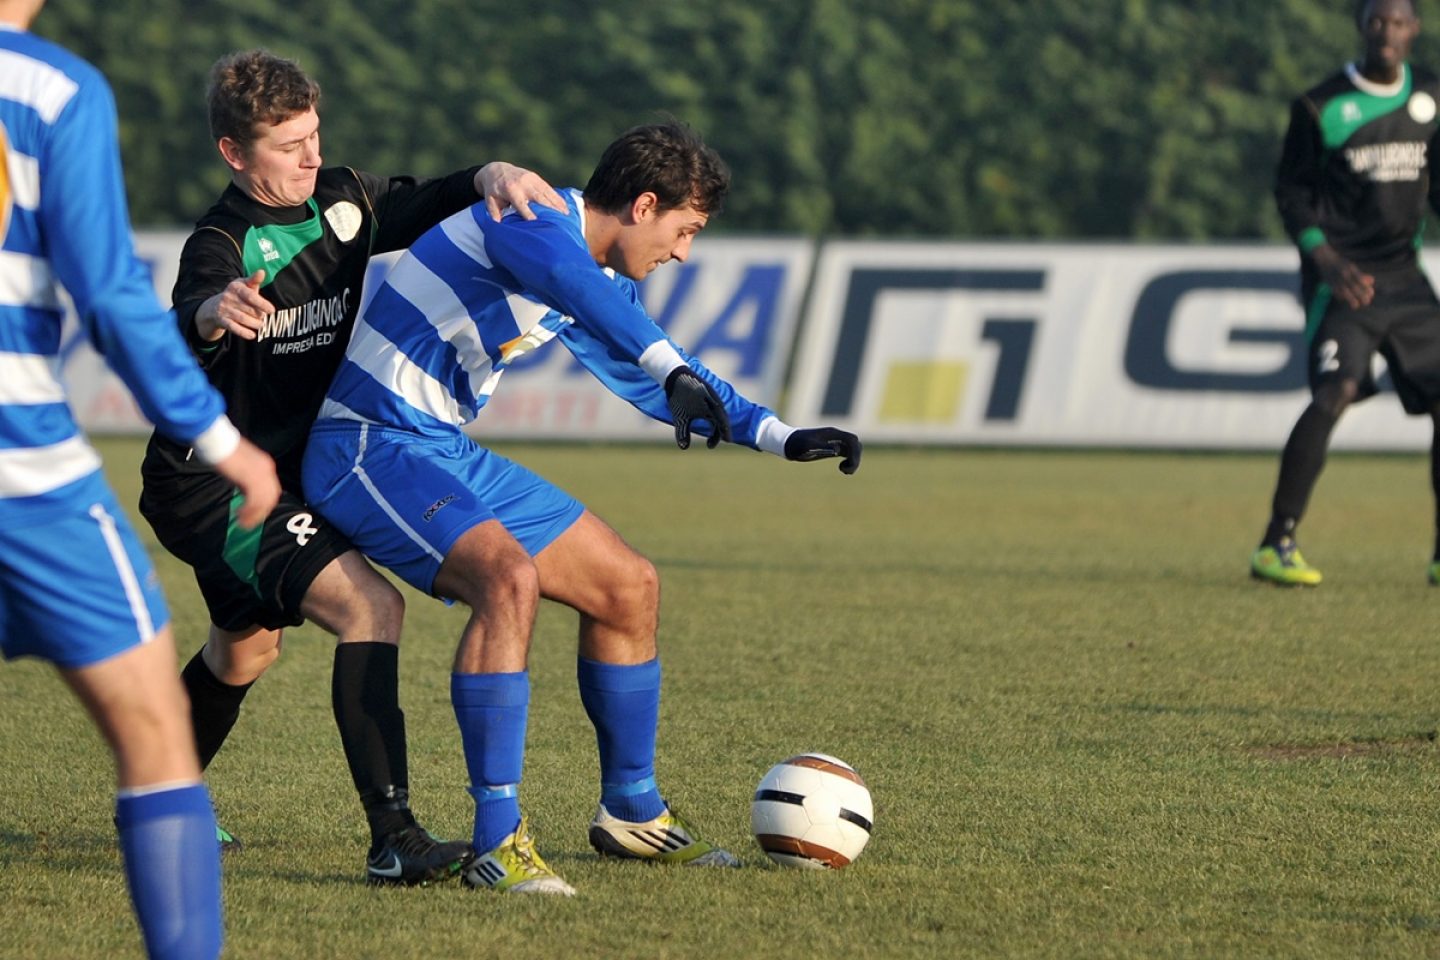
x=471 y=295
x=64 y=222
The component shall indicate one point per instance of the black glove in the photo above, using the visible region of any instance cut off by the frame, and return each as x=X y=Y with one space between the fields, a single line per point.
x=818 y=443
x=692 y=399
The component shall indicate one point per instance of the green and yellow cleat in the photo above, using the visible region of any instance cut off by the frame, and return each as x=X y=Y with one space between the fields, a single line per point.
x=666 y=839
x=1434 y=573
x=1284 y=565
x=515 y=867
x=227 y=841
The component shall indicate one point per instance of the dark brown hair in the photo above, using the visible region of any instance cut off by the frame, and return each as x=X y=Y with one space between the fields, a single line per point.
x=668 y=159
x=256 y=87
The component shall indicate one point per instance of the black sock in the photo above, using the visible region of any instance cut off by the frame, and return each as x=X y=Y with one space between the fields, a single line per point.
x=214 y=706
x=365 y=693
x=1300 y=467
x=1435 y=486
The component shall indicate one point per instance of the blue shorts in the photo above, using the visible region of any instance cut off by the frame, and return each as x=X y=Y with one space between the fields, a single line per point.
x=77 y=588
x=404 y=498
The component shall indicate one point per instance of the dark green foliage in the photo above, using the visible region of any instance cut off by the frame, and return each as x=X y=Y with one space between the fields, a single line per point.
x=1113 y=118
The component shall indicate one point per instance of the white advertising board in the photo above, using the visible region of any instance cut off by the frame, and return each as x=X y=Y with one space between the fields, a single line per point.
x=734 y=305
x=943 y=343
x=1125 y=346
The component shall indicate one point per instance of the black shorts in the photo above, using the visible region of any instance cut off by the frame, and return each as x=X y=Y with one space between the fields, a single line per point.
x=1402 y=324
x=248 y=577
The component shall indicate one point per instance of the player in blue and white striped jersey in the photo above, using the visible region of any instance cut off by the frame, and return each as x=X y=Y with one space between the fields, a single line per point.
x=387 y=463
x=76 y=587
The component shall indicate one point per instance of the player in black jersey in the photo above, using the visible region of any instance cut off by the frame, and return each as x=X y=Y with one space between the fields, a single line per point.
x=1355 y=176
x=268 y=290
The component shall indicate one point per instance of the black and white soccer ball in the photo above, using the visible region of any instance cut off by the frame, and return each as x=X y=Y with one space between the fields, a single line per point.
x=812 y=811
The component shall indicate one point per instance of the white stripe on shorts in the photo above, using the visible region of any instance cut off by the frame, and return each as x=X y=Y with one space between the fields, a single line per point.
x=384 y=504
x=138 y=608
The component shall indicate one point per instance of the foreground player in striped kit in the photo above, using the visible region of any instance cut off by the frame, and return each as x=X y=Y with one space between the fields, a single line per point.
x=387 y=463
x=76 y=587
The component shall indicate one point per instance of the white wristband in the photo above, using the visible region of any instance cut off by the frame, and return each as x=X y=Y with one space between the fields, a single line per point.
x=659 y=359
x=219 y=440
x=771 y=435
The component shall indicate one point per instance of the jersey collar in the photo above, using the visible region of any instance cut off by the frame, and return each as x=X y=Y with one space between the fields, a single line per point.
x=1352 y=70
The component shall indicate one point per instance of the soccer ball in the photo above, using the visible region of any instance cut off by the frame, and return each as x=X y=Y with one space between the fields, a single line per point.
x=812 y=811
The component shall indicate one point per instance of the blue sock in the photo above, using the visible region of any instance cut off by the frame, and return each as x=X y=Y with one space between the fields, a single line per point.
x=172 y=862
x=623 y=702
x=491 y=709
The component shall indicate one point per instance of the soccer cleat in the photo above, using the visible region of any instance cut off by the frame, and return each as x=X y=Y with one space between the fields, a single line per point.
x=411 y=857
x=226 y=839
x=1283 y=564
x=666 y=839
x=515 y=867
x=1434 y=573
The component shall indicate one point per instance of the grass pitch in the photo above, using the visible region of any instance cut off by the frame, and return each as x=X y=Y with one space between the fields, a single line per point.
x=1087 y=732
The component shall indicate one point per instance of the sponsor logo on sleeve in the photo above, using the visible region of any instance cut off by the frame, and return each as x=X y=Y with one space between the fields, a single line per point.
x=1422 y=107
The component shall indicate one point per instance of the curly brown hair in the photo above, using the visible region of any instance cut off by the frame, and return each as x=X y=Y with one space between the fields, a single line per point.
x=256 y=87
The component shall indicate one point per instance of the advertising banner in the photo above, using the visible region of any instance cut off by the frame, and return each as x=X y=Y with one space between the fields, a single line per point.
x=734 y=305
x=1096 y=345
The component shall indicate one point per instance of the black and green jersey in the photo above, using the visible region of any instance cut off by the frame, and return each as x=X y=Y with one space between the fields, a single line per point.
x=315 y=258
x=1357 y=167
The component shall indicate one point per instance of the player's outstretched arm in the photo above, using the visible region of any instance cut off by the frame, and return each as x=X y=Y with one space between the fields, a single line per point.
x=238 y=309
x=821 y=443
x=252 y=470
x=504 y=184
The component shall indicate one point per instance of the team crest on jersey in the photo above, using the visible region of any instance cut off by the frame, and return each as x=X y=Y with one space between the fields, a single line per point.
x=267 y=249
x=344 y=218
x=1422 y=107
x=1350 y=112
x=5 y=192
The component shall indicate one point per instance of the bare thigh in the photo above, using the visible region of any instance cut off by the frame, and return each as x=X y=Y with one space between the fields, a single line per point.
x=615 y=589
x=137 y=701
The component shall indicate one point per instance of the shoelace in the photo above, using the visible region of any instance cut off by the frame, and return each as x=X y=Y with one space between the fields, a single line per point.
x=413 y=841
x=527 y=858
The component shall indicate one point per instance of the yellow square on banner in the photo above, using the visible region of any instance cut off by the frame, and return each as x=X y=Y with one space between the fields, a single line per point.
x=923 y=392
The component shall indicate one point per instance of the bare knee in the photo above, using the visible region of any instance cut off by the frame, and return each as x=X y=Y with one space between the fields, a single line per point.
x=240 y=657
x=631 y=598
x=511 y=584
x=354 y=602
x=619 y=622
x=374 y=614
x=503 y=595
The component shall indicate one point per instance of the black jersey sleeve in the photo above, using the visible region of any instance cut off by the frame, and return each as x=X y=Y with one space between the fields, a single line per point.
x=210 y=259
x=406 y=207
x=1297 y=178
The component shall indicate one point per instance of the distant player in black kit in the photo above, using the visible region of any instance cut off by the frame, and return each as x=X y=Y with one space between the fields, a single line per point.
x=1355 y=177
x=268 y=290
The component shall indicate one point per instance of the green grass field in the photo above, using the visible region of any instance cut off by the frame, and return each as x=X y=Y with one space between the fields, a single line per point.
x=1087 y=732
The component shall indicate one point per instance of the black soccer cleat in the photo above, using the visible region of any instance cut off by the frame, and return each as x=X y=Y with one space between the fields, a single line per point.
x=411 y=857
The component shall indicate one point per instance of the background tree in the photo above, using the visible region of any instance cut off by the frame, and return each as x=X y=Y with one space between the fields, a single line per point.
x=1133 y=119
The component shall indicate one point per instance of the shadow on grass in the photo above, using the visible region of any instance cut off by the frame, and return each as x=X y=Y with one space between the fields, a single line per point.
x=1214 y=710
x=1414 y=743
